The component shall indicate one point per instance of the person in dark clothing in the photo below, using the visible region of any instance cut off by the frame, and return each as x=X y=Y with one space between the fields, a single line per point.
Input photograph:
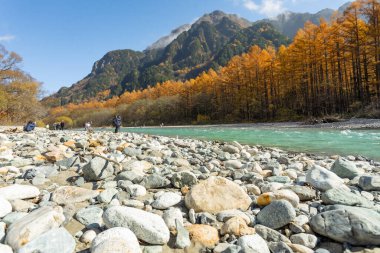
x=117 y=123
x=29 y=126
x=62 y=125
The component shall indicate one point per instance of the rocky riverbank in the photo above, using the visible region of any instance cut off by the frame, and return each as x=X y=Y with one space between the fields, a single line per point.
x=68 y=191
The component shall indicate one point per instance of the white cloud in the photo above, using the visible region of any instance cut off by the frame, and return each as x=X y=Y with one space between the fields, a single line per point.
x=269 y=8
x=7 y=37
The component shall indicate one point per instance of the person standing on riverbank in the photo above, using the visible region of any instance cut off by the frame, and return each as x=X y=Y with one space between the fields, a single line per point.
x=117 y=123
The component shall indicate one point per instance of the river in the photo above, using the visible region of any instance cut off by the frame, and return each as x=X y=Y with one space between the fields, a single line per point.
x=309 y=140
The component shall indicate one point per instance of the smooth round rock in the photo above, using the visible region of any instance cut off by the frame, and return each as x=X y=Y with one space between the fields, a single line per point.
x=323 y=179
x=277 y=214
x=204 y=234
x=166 y=200
x=148 y=227
x=115 y=240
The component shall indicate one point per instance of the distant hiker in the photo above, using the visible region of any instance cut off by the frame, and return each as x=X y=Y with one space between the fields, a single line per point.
x=87 y=126
x=29 y=126
x=162 y=125
x=47 y=126
x=117 y=123
x=62 y=124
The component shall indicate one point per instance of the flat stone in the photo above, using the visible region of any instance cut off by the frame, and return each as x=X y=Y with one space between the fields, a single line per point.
x=116 y=240
x=148 y=227
x=211 y=195
x=344 y=197
x=54 y=240
x=107 y=195
x=277 y=214
x=33 y=225
x=166 y=200
x=17 y=191
x=72 y=194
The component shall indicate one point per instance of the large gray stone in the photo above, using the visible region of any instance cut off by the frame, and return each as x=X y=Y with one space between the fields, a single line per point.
x=90 y=216
x=279 y=247
x=355 y=225
x=183 y=178
x=33 y=225
x=344 y=197
x=54 y=240
x=115 y=240
x=323 y=179
x=97 y=169
x=148 y=227
x=154 y=182
x=370 y=183
x=277 y=214
x=345 y=168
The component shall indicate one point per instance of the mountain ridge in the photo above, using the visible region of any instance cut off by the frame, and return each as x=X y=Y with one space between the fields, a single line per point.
x=209 y=42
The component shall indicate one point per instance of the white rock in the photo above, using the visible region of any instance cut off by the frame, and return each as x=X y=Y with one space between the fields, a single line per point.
x=5 y=207
x=136 y=190
x=166 y=200
x=253 y=244
x=323 y=179
x=5 y=248
x=88 y=236
x=148 y=227
x=116 y=240
x=170 y=215
x=33 y=225
x=17 y=191
x=3 y=225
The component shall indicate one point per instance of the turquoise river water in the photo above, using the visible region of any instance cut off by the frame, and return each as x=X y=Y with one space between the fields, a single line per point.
x=309 y=140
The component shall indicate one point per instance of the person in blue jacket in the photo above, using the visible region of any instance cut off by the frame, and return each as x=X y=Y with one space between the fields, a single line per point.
x=117 y=123
x=29 y=126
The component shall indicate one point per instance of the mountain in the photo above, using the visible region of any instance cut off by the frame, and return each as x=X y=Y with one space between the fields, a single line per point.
x=210 y=42
x=288 y=23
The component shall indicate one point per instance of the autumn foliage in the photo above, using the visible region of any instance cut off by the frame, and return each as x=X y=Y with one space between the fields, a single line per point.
x=332 y=68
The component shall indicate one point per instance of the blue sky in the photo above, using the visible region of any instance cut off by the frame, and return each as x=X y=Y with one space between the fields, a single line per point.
x=60 y=40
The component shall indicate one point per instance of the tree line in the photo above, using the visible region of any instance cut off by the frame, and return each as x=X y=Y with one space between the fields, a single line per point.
x=331 y=68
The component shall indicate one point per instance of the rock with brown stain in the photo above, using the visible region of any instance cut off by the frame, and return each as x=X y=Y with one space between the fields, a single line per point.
x=217 y=194
x=72 y=194
x=203 y=234
x=236 y=226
